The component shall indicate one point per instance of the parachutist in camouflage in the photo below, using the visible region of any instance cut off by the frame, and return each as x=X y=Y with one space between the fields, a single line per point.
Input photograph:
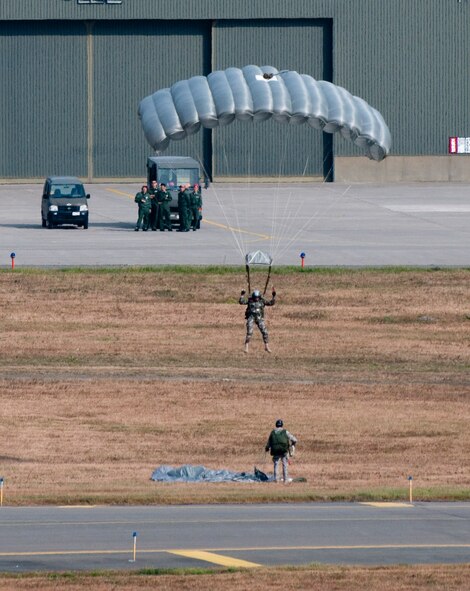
x=254 y=314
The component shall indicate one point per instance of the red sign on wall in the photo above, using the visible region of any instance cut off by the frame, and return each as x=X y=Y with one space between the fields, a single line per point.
x=459 y=145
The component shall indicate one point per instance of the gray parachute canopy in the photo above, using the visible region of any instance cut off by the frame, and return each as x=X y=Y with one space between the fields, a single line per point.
x=256 y=93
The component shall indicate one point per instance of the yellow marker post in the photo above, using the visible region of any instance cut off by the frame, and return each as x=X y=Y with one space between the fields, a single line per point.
x=410 y=480
x=1 y=491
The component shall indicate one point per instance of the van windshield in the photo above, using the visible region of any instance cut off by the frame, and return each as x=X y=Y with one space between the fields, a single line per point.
x=67 y=190
x=173 y=177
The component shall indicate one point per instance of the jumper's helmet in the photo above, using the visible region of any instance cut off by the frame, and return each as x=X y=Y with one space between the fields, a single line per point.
x=279 y=423
x=256 y=294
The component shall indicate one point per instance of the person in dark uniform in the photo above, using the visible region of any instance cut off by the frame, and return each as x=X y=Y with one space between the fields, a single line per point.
x=254 y=314
x=183 y=208
x=143 y=201
x=154 y=205
x=164 y=200
x=195 y=207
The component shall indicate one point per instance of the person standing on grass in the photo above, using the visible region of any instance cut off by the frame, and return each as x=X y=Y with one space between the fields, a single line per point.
x=280 y=444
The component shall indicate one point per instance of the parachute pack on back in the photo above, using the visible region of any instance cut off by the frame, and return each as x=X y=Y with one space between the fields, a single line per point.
x=279 y=442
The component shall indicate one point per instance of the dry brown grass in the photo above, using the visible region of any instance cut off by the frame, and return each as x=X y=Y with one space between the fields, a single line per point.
x=104 y=376
x=416 y=578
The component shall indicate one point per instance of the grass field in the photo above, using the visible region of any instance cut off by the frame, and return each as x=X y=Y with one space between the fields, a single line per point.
x=105 y=375
x=316 y=578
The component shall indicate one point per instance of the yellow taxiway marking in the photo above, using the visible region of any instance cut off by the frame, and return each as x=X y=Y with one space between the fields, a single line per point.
x=215 y=558
x=120 y=192
x=385 y=505
x=211 y=551
x=225 y=227
x=238 y=230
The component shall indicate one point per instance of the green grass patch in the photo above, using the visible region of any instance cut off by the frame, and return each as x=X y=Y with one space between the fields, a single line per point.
x=227 y=270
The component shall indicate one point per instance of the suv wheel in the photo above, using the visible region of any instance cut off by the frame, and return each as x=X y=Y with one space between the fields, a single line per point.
x=50 y=225
x=44 y=224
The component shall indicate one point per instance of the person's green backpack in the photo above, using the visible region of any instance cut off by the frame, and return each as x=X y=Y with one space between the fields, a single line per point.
x=279 y=442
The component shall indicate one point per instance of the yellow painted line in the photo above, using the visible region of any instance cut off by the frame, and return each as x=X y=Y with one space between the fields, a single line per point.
x=238 y=230
x=211 y=551
x=228 y=521
x=120 y=192
x=383 y=505
x=215 y=558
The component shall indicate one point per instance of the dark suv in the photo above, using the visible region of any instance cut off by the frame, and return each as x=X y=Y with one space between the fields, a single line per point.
x=64 y=201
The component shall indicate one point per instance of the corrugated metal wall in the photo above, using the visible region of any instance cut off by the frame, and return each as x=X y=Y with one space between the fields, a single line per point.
x=132 y=60
x=268 y=148
x=409 y=59
x=42 y=99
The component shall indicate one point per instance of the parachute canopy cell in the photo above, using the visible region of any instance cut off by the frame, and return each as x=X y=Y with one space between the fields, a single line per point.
x=256 y=93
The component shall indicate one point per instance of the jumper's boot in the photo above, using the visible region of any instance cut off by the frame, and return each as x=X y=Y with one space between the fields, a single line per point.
x=266 y=348
x=245 y=350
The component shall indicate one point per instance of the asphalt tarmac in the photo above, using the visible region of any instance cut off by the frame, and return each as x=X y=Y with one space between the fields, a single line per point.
x=419 y=224
x=88 y=538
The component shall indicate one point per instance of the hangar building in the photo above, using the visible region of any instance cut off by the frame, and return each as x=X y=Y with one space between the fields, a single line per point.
x=74 y=71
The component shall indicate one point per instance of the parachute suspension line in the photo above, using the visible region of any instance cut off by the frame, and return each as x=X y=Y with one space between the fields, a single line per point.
x=246 y=210
x=224 y=213
x=305 y=167
x=235 y=208
x=289 y=217
x=247 y=268
x=314 y=215
x=311 y=218
x=275 y=222
x=267 y=280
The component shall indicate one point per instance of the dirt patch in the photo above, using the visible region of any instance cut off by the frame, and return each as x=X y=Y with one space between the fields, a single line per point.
x=105 y=376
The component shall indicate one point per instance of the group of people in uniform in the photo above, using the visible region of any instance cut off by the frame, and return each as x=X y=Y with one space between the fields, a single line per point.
x=154 y=208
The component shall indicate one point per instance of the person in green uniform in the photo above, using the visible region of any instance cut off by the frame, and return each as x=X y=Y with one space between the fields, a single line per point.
x=164 y=200
x=195 y=206
x=154 y=205
x=183 y=208
x=143 y=201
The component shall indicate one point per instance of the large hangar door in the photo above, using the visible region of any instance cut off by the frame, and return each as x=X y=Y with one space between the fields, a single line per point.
x=43 y=99
x=270 y=149
x=130 y=61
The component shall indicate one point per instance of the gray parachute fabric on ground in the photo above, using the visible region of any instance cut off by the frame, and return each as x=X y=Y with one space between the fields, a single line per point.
x=190 y=473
